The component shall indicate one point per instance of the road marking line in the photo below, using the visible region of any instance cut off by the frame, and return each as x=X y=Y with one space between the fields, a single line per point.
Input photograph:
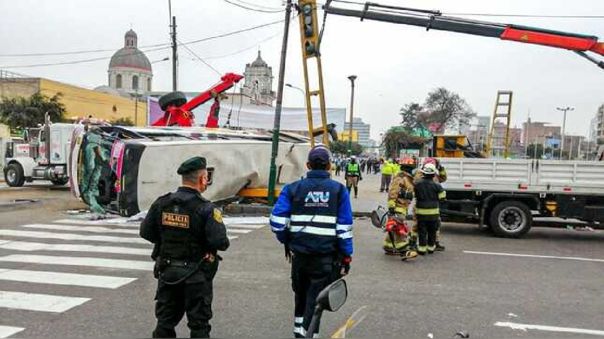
x=235 y=231
x=524 y=327
x=7 y=331
x=535 y=256
x=114 y=222
x=57 y=278
x=92 y=229
x=71 y=236
x=247 y=226
x=357 y=316
x=245 y=220
x=39 y=302
x=80 y=261
x=38 y=246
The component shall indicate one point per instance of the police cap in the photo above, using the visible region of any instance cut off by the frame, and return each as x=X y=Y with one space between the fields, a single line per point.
x=192 y=164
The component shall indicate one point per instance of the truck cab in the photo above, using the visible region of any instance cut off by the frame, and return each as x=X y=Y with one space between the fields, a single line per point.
x=42 y=154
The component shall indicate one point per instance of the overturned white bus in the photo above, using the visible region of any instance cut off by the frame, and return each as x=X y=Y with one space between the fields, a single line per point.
x=136 y=165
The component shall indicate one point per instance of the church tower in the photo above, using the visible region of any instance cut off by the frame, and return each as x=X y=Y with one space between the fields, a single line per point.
x=258 y=86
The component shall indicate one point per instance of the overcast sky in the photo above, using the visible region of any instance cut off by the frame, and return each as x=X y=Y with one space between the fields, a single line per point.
x=395 y=64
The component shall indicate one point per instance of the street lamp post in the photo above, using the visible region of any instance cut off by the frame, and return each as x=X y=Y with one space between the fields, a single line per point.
x=299 y=89
x=352 y=78
x=565 y=109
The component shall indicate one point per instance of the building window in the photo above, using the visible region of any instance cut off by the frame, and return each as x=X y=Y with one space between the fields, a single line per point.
x=118 y=81
x=135 y=82
x=149 y=84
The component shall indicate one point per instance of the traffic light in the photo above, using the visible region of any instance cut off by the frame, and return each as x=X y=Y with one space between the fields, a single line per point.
x=308 y=26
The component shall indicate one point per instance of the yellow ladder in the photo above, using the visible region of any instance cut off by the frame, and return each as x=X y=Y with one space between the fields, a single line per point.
x=503 y=110
x=309 y=38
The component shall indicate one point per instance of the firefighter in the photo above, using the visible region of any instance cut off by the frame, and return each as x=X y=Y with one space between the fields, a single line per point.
x=440 y=177
x=352 y=174
x=428 y=193
x=400 y=195
x=187 y=231
x=313 y=219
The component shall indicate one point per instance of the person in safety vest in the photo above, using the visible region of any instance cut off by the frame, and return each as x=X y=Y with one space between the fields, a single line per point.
x=313 y=219
x=187 y=231
x=400 y=195
x=387 y=173
x=428 y=193
x=353 y=175
x=440 y=177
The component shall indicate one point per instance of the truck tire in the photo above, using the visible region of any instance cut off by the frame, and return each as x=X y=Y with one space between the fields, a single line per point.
x=173 y=98
x=510 y=219
x=14 y=175
x=60 y=182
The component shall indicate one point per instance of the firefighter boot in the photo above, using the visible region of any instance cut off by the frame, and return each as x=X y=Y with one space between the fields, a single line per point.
x=439 y=247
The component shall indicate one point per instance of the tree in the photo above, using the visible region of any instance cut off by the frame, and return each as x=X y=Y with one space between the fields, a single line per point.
x=122 y=122
x=398 y=138
x=447 y=109
x=21 y=112
x=410 y=115
x=341 y=147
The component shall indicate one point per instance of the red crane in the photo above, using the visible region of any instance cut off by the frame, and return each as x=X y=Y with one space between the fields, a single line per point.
x=178 y=110
x=580 y=44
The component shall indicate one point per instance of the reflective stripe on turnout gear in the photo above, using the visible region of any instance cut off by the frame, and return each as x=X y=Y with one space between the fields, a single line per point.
x=427 y=211
x=442 y=195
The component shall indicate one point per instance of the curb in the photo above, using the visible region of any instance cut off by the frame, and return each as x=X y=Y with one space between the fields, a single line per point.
x=263 y=210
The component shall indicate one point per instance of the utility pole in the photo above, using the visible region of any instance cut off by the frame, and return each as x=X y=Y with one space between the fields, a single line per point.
x=272 y=178
x=174 y=56
x=352 y=78
x=565 y=109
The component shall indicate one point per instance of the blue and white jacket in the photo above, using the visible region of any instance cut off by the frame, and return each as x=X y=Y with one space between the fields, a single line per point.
x=315 y=215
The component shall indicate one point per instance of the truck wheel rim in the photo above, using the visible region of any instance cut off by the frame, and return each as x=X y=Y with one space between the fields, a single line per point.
x=11 y=175
x=512 y=219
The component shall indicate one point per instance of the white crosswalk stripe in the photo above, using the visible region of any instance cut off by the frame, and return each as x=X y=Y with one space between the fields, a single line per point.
x=74 y=242
x=7 y=331
x=26 y=246
x=72 y=228
x=39 y=302
x=57 y=278
x=79 y=261
x=71 y=236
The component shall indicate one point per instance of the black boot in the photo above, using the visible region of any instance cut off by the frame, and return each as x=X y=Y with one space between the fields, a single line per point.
x=439 y=247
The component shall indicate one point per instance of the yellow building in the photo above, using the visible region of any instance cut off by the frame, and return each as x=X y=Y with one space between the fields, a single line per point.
x=344 y=136
x=79 y=102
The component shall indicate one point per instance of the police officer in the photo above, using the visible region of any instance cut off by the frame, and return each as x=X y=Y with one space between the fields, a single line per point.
x=313 y=219
x=353 y=175
x=187 y=231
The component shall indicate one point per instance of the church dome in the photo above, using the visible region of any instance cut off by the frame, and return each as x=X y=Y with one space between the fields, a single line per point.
x=130 y=56
x=259 y=62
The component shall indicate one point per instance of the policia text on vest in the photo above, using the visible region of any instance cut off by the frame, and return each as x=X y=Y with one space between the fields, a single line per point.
x=187 y=232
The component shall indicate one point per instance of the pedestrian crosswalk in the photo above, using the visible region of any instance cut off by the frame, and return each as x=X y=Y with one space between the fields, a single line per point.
x=73 y=252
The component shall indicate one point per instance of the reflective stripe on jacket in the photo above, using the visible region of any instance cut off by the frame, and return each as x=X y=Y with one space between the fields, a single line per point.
x=314 y=216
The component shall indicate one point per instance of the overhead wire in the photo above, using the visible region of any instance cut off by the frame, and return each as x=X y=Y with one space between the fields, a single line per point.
x=199 y=58
x=252 y=8
x=163 y=46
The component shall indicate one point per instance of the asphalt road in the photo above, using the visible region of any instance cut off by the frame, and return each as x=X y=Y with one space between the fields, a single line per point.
x=478 y=282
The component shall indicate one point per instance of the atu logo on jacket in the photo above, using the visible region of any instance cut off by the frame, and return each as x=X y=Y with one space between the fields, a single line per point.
x=317 y=199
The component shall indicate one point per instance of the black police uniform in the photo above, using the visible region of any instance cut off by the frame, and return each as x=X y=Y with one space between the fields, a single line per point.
x=187 y=231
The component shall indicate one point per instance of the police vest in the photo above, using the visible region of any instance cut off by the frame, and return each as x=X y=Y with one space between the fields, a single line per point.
x=353 y=169
x=182 y=236
x=314 y=211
